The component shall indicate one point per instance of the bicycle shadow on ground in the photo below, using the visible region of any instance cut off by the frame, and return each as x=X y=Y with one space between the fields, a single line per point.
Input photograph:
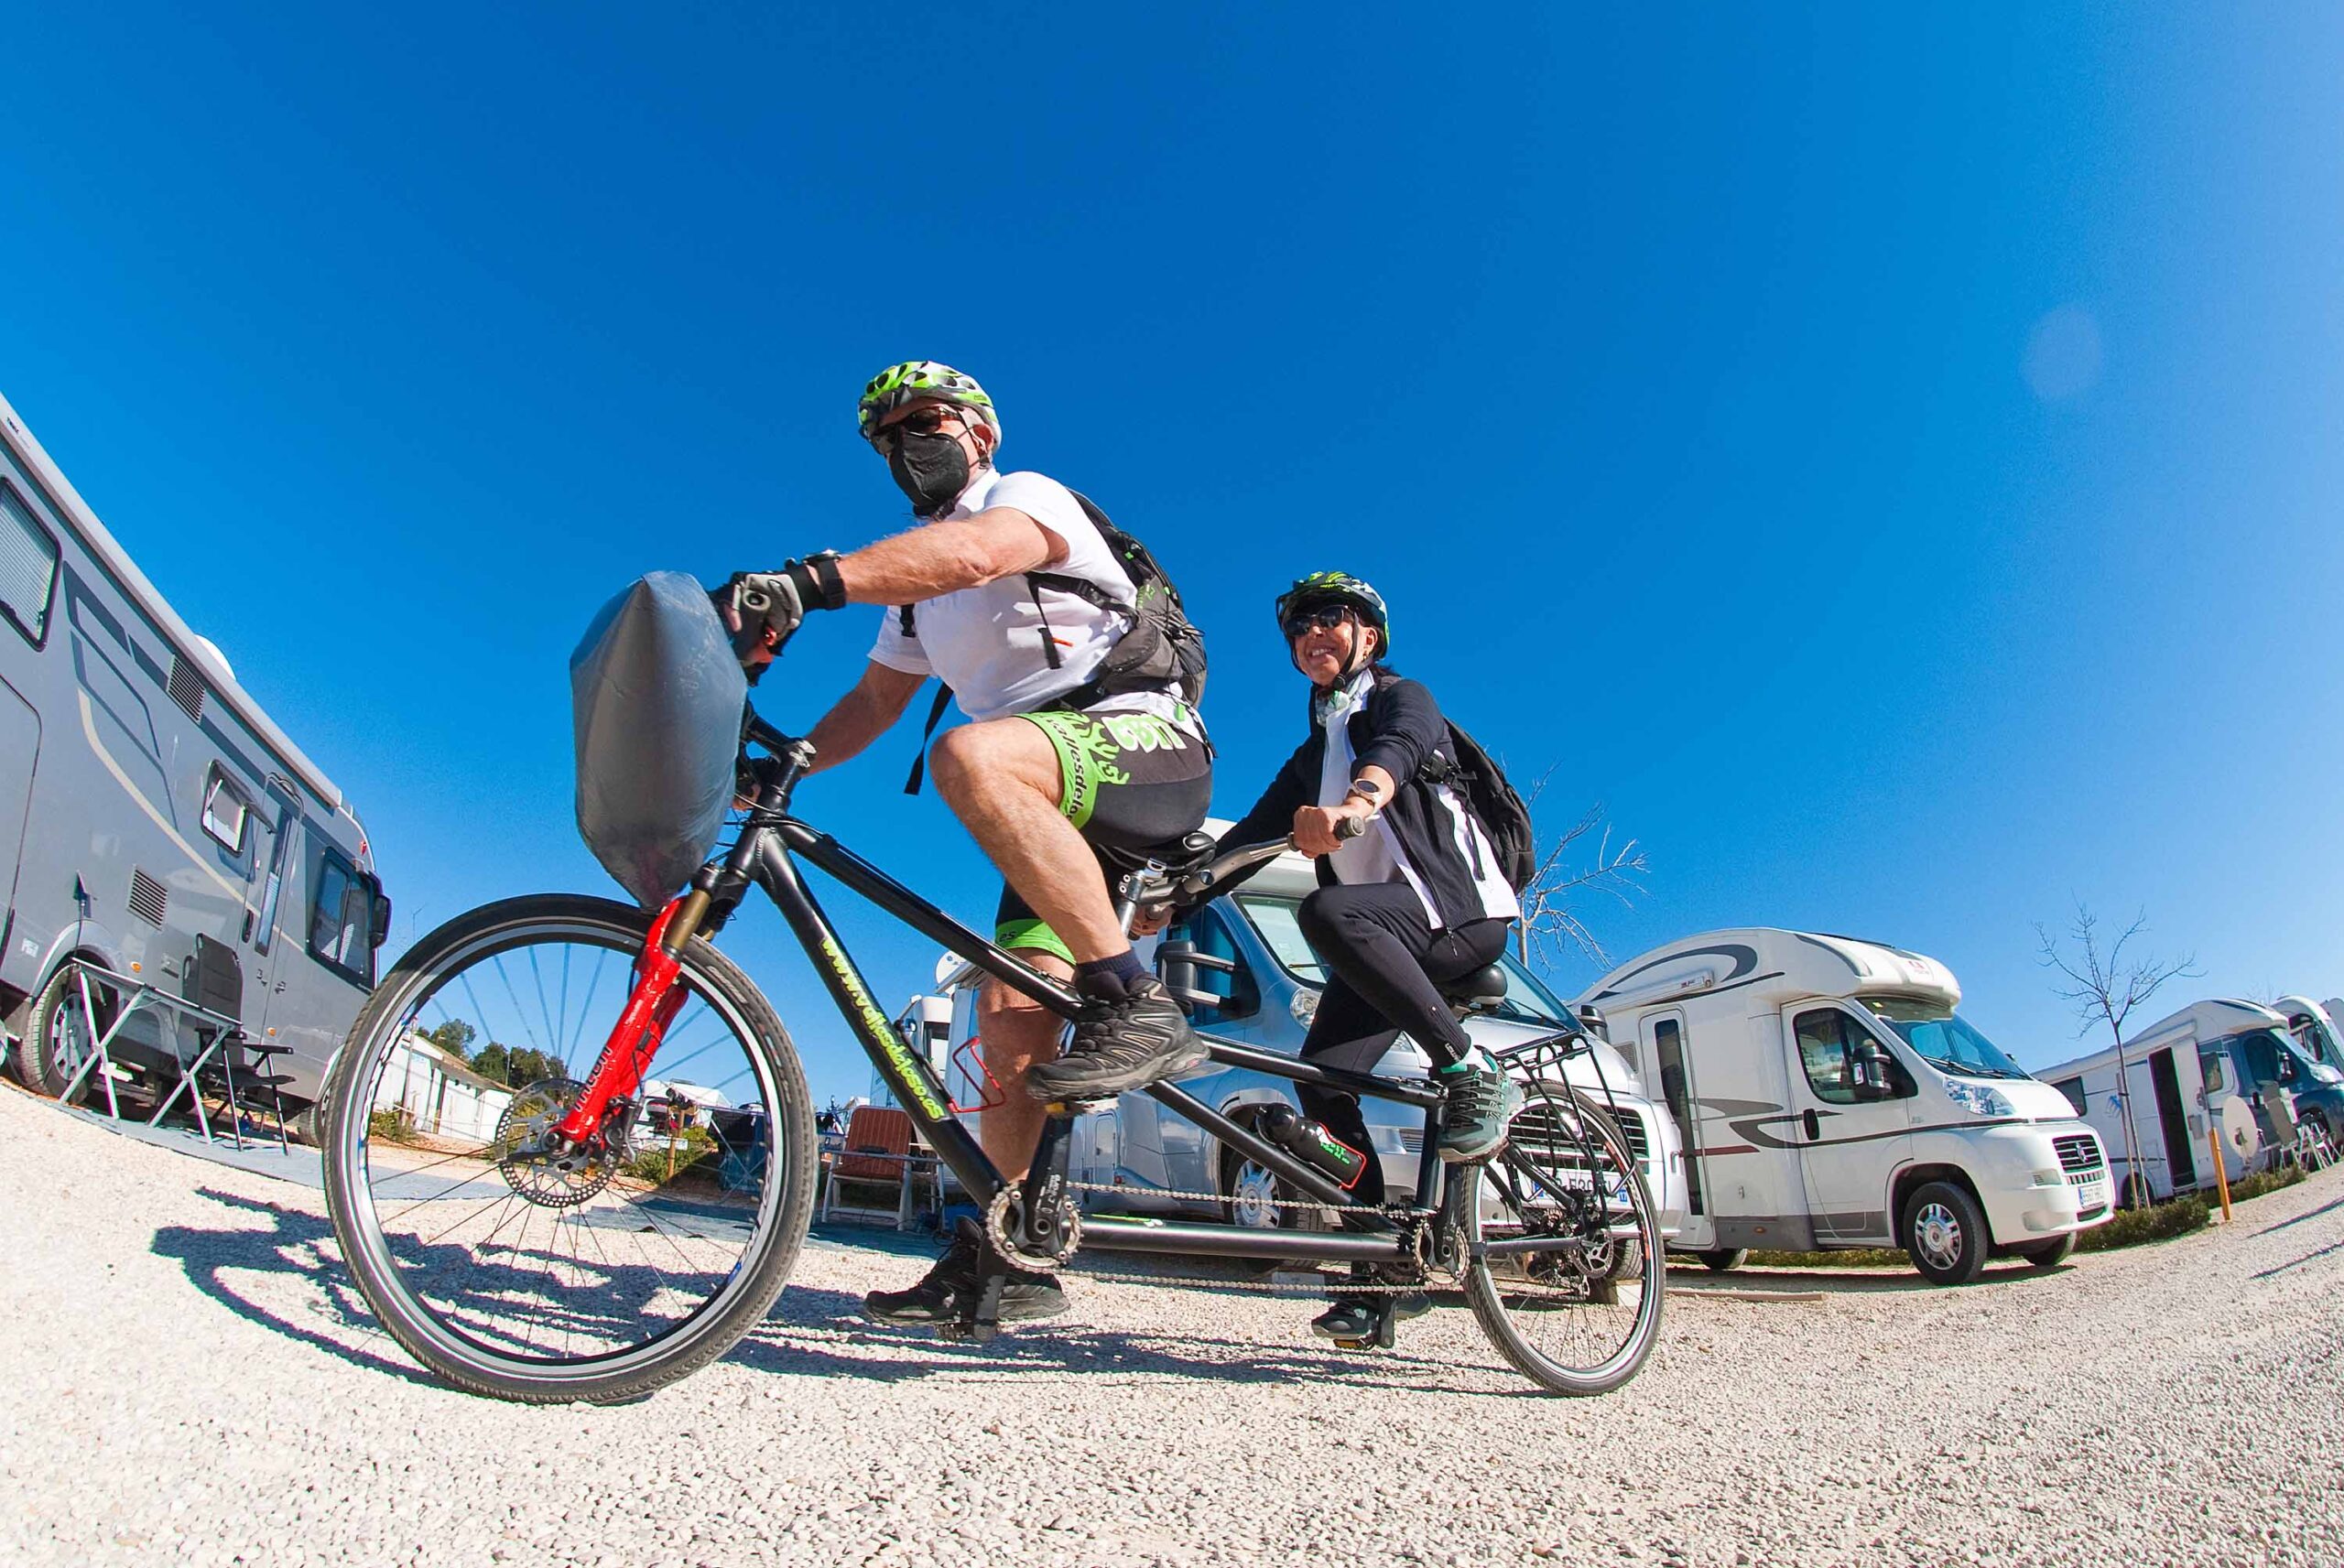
x=811 y=1330
x=292 y=1246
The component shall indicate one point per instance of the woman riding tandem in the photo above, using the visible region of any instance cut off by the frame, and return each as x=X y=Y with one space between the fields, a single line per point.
x=1415 y=899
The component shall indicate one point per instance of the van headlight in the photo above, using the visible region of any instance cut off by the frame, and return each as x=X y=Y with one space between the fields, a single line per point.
x=1978 y=1099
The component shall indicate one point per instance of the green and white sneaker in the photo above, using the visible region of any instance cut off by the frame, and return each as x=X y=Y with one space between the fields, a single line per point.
x=1482 y=1102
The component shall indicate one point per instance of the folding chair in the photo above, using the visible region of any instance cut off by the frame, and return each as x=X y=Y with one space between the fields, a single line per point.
x=878 y=1155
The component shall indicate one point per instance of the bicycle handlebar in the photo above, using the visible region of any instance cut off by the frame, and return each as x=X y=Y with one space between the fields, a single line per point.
x=1197 y=885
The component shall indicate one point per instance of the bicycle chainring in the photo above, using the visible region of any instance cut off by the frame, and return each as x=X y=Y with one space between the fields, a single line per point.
x=548 y=1177
x=1004 y=1220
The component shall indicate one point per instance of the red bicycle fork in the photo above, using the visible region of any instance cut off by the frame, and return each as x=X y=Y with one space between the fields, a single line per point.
x=650 y=1008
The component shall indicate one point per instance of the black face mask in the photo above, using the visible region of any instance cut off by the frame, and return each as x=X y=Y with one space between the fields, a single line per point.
x=931 y=470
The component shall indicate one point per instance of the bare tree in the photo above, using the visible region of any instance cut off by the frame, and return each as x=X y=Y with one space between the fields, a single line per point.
x=2105 y=987
x=1551 y=925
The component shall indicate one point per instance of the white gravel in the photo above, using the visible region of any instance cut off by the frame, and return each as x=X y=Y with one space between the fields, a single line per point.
x=188 y=1378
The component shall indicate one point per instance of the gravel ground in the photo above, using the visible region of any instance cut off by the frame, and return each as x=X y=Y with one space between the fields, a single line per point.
x=190 y=1379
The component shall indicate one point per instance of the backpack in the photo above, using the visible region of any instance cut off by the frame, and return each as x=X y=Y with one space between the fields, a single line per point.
x=1160 y=648
x=1478 y=780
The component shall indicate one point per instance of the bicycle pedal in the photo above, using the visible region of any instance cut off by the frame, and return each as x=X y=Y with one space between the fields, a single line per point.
x=1355 y=1344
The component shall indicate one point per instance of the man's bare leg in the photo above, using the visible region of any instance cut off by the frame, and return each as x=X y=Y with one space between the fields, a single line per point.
x=1001 y=779
x=1017 y=1032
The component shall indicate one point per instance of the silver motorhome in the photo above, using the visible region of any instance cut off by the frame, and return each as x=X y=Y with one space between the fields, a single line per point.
x=148 y=805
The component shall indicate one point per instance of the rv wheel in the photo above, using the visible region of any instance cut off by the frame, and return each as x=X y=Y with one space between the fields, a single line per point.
x=1944 y=1234
x=59 y=1034
x=1724 y=1259
x=2047 y=1254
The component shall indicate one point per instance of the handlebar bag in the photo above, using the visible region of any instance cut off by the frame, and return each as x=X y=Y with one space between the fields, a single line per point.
x=655 y=703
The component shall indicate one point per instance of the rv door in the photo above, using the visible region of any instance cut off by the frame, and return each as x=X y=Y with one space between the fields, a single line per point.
x=1666 y=1060
x=1853 y=1130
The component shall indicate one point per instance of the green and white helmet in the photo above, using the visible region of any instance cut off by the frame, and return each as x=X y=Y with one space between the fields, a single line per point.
x=916 y=379
x=1338 y=588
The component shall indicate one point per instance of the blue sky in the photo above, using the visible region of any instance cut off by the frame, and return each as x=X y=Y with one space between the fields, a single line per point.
x=1890 y=460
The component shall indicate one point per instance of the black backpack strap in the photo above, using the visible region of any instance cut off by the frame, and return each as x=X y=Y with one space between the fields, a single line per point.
x=935 y=718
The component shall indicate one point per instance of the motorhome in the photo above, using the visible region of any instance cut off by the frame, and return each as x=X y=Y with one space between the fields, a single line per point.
x=152 y=819
x=2313 y=1023
x=1248 y=976
x=2199 y=1079
x=1830 y=1096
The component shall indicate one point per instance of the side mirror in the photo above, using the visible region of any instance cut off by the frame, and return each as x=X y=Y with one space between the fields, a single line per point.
x=1875 y=1075
x=378 y=929
x=1177 y=964
x=1591 y=1021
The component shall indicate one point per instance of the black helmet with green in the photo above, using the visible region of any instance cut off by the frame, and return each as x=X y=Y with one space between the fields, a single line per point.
x=1320 y=589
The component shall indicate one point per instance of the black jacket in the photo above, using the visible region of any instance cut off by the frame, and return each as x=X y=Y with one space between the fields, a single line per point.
x=1397 y=728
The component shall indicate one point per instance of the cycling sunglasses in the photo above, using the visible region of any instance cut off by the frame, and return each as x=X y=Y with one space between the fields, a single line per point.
x=919 y=422
x=1324 y=618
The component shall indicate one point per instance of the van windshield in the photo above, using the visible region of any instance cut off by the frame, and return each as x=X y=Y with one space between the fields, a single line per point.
x=1527 y=999
x=1944 y=1041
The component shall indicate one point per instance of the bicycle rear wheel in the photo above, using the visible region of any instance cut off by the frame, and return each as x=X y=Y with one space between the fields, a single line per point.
x=597 y=1274
x=1572 y=1297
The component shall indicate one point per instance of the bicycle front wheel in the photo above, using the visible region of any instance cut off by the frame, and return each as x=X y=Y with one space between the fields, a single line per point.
x=1563 y=1255
x=598 y=1274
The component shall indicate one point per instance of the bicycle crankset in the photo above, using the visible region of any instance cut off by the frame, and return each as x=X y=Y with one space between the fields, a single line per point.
x=551 y=1176
x=1007 y=1229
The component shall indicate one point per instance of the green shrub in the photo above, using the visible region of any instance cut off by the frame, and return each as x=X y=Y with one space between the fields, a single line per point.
x=2262 y=1182
x=392 y=1126
x=697 y=1156
x=2158 y=1222
x=1854 y=1258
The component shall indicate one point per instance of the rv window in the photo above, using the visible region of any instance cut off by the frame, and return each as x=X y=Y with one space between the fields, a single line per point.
x=2261 y=1056
x=2074 y=1089
x=2209 y=1068
x=1825 y=1037
x=1668 y=1045
x=338 y=922
x=225 y=811
x=28 y=568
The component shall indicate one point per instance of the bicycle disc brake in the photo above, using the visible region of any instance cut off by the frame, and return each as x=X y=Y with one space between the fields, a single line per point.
x=1005 y=1227
x=545 y=1175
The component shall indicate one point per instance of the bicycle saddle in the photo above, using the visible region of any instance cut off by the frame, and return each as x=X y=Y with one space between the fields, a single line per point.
x=1479 y=991
x=1178 y=856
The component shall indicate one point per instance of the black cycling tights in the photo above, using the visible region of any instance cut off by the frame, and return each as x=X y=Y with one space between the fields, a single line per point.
x=1383 y=959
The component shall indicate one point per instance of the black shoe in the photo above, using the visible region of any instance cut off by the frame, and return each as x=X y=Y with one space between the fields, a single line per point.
x=1119 y=1046
x=1355 y=1316
x=936 y=1299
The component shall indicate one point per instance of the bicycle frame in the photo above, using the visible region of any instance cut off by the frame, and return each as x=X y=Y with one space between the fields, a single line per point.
x=765 y=856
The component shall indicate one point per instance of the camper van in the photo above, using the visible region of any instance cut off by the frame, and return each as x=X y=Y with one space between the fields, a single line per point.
x=1249 y=976
x=2313 y=1023
x=2209 y=1069
x=1829 y=1096
x=152 y=819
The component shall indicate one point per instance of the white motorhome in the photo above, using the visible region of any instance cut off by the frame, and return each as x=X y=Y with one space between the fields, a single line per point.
x=152 y=819
x=2191 y=1081
x=1829 y=1097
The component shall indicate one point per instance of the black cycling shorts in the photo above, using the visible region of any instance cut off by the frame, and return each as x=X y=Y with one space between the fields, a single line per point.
x=1126 y=781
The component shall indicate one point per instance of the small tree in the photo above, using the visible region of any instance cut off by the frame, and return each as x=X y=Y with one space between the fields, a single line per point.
x=494 y=1064
x=1550 y=925
x=455 y=1037
x=2105 y=987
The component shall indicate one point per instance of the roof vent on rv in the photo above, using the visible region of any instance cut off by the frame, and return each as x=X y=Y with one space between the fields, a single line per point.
x=185 y=686
x=148 y=898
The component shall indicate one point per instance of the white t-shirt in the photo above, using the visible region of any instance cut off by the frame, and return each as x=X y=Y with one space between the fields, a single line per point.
x=985 y=642
x=1377 y=855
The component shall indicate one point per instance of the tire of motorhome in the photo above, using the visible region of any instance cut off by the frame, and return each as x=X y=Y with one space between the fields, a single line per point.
x=44 y=1068
x=2046 y=1254
x=467 y=1362
x=1944 y=1234
x=1724 y=1259
x=1244 y=1188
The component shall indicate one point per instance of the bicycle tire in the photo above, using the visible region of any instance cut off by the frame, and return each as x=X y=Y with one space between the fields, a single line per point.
x=347 y=1103
x=1485 y=1293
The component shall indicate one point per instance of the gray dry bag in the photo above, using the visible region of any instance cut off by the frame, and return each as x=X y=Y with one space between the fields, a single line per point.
x=656 y=700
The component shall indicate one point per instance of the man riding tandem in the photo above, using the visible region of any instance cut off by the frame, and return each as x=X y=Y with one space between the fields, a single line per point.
x=1009 y=594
